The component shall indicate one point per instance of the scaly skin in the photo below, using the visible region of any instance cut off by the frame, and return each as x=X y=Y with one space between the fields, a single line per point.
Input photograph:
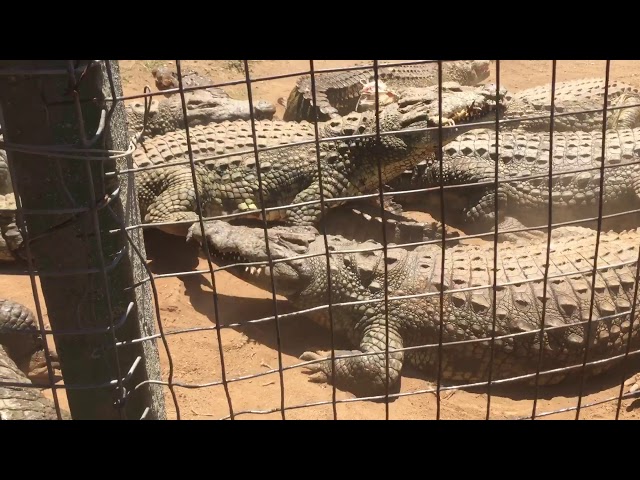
x=19 y=333
x=226 y=138
x=337 y=93
x=570 y=96
x=290 y=174
x=22 y=403
x=19 y=340
x=210 y=105
x=573 y=96
x=415 y=322
x=235 y=139
x=470 y=159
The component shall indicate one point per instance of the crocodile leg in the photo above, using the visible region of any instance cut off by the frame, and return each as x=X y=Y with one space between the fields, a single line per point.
x=368 y=371
x=310 y=214
x=19 y=403
x=168 y=195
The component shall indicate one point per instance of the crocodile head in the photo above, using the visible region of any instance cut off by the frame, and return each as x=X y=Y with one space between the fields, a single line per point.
x=234 y=244
x=299 y=260
x=417 y=108
x=203 y=107
x=462 y=107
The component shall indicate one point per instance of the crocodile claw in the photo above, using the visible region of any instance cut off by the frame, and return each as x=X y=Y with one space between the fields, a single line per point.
x=315 y=371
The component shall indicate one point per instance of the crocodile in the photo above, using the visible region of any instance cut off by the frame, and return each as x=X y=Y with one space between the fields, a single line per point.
x=19 y=341
x=161 y=190
x=415 y=283
x=290 y=174
x=20 y=335
x=338 y=93
x=470 y=159
x=570 y=96
x=205 y=106
x=22 y=402
x=233 y=141
x=574 y=96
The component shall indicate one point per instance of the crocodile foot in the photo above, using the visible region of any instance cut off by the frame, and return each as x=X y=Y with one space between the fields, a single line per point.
x=38 y=364
x=633 y=384
x=315 y=372
x=321 y=372
x=361 y=373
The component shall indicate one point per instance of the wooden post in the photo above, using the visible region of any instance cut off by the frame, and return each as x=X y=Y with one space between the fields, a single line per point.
x=73 y=215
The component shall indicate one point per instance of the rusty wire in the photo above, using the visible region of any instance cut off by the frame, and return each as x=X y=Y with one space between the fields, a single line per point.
x=171 y=384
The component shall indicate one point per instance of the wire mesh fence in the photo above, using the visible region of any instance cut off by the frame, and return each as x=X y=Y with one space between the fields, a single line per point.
x=479 y=302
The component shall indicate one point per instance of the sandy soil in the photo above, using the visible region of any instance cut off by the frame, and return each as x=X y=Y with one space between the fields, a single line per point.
x=187 y=302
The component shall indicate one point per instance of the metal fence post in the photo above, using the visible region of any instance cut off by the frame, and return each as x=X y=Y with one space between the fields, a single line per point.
x=61 y=140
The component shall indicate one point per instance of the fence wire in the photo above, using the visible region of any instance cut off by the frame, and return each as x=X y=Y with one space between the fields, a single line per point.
x=193 y=161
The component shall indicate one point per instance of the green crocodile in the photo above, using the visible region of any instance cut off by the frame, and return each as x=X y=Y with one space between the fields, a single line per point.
x=415 y=283
x=338 y=93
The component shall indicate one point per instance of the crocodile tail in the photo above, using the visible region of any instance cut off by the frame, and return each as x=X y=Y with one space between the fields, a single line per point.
x=362 y=221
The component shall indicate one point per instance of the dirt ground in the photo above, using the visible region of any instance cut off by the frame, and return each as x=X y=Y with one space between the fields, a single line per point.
x=187 y=302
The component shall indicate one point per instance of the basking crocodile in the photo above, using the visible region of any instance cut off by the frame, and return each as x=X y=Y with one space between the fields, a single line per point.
x=210 y=105
x=414 y=322
x=337 y=93
x=19 y=341
x=290 y=174
x=574 y=96
x=234 y=140
x=571 y=96
x=470 y=159
x=230 y=184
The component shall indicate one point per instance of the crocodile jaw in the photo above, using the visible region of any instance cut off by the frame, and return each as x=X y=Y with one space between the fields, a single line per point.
x=237 y=244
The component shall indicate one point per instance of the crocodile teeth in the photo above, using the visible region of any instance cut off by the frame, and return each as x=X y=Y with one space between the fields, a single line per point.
x=253 y=270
